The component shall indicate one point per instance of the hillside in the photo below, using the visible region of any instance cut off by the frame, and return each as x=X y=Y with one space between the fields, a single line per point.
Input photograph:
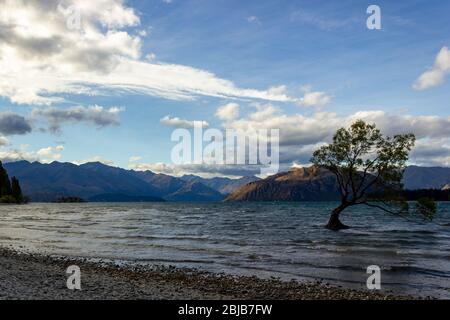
x=96 y=182
x=99 y=182
x=312 y=184
x=426 y=177
x=300 y=184
x=195 y=191
x=224 y=185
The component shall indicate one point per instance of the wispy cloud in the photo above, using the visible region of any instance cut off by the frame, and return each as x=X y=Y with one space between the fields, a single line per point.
x=181 y=123
x=228 y=112
x=42 y=58
x=319 y=20
x=253 y=19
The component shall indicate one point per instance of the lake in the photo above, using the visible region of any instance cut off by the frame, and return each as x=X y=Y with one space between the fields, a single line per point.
x=284 y=240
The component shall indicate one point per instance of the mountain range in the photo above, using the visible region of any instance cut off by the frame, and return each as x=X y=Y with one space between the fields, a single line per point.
x=416 y=177
x=315 y=184
x=96 y=181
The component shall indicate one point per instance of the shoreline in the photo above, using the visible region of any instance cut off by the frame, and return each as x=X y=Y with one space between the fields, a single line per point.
x=35 y=276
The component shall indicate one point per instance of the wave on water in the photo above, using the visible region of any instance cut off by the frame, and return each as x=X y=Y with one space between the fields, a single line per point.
x=263 y=239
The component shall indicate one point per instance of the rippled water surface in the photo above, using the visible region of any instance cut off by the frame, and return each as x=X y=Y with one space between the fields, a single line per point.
x=283 y=240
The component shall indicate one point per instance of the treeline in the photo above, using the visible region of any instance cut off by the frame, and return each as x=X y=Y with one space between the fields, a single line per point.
x=70 y=200
x=435 y=194
x=10 y=191
x=412 y=195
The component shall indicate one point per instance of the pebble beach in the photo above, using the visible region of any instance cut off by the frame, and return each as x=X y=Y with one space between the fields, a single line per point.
x=33 y=276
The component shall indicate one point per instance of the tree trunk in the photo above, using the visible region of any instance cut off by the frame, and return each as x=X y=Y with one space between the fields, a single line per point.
x=334 y=223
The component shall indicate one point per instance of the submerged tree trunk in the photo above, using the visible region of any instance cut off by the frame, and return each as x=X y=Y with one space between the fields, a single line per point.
x=334 y=223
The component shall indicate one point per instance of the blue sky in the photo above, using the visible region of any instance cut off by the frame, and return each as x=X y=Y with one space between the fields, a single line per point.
x=300 y=47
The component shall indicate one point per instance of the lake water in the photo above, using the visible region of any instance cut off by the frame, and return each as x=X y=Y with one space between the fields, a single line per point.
x=262 y=239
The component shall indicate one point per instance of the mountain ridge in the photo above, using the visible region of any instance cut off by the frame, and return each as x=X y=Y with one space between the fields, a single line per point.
x=46 y=182
x=315 y=184
x=298 y=184
x=95 y=180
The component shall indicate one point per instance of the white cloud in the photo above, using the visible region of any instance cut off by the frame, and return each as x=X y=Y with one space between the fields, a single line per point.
x=300 y=135
x=95 y=159
x=135 y=159
x=278 y=90
x=429 y=152
x=421 y=126
x=41 y=59
x=228 y=112
x=150 y=57
x=50 y=153
x=3 y=141
x=44 y=155
x=436 y=75
x=181 y=123
x=265 y=111
x=315 y=99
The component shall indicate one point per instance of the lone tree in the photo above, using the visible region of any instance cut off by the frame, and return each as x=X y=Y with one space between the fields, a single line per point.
x=368 y=168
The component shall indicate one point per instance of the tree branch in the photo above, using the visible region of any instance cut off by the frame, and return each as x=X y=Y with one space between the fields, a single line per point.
x=397 y=214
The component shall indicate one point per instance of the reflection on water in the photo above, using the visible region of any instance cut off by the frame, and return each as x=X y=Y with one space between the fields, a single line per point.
x=263 y=239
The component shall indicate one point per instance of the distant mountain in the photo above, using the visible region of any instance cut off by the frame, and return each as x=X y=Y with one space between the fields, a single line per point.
x=99 y=182
x=117 y=197
x=165 y=184
x=47 y=182
x=313 y=184
x=176 y=189
x=299 y=184
x=426 y=177
x=224 y=185
x=195 y=191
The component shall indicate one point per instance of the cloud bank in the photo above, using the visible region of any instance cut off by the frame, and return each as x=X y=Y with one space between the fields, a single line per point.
x=45 y=52
x=301 y=135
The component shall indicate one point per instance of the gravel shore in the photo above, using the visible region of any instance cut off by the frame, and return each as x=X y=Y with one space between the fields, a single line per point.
x=29 y=276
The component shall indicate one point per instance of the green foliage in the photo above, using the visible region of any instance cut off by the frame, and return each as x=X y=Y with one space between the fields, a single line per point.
x=427 y=208
x=8 y=199
x=16 y=191
x=362 y=158
x=5 y=184
x=10 y=191
x=365 y=162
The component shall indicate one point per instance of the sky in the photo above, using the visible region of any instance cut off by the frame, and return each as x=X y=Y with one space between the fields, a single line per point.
x=110 y=80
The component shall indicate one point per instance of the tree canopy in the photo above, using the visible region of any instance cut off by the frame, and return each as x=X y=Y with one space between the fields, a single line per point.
x=10 y=191
x=368 y=167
